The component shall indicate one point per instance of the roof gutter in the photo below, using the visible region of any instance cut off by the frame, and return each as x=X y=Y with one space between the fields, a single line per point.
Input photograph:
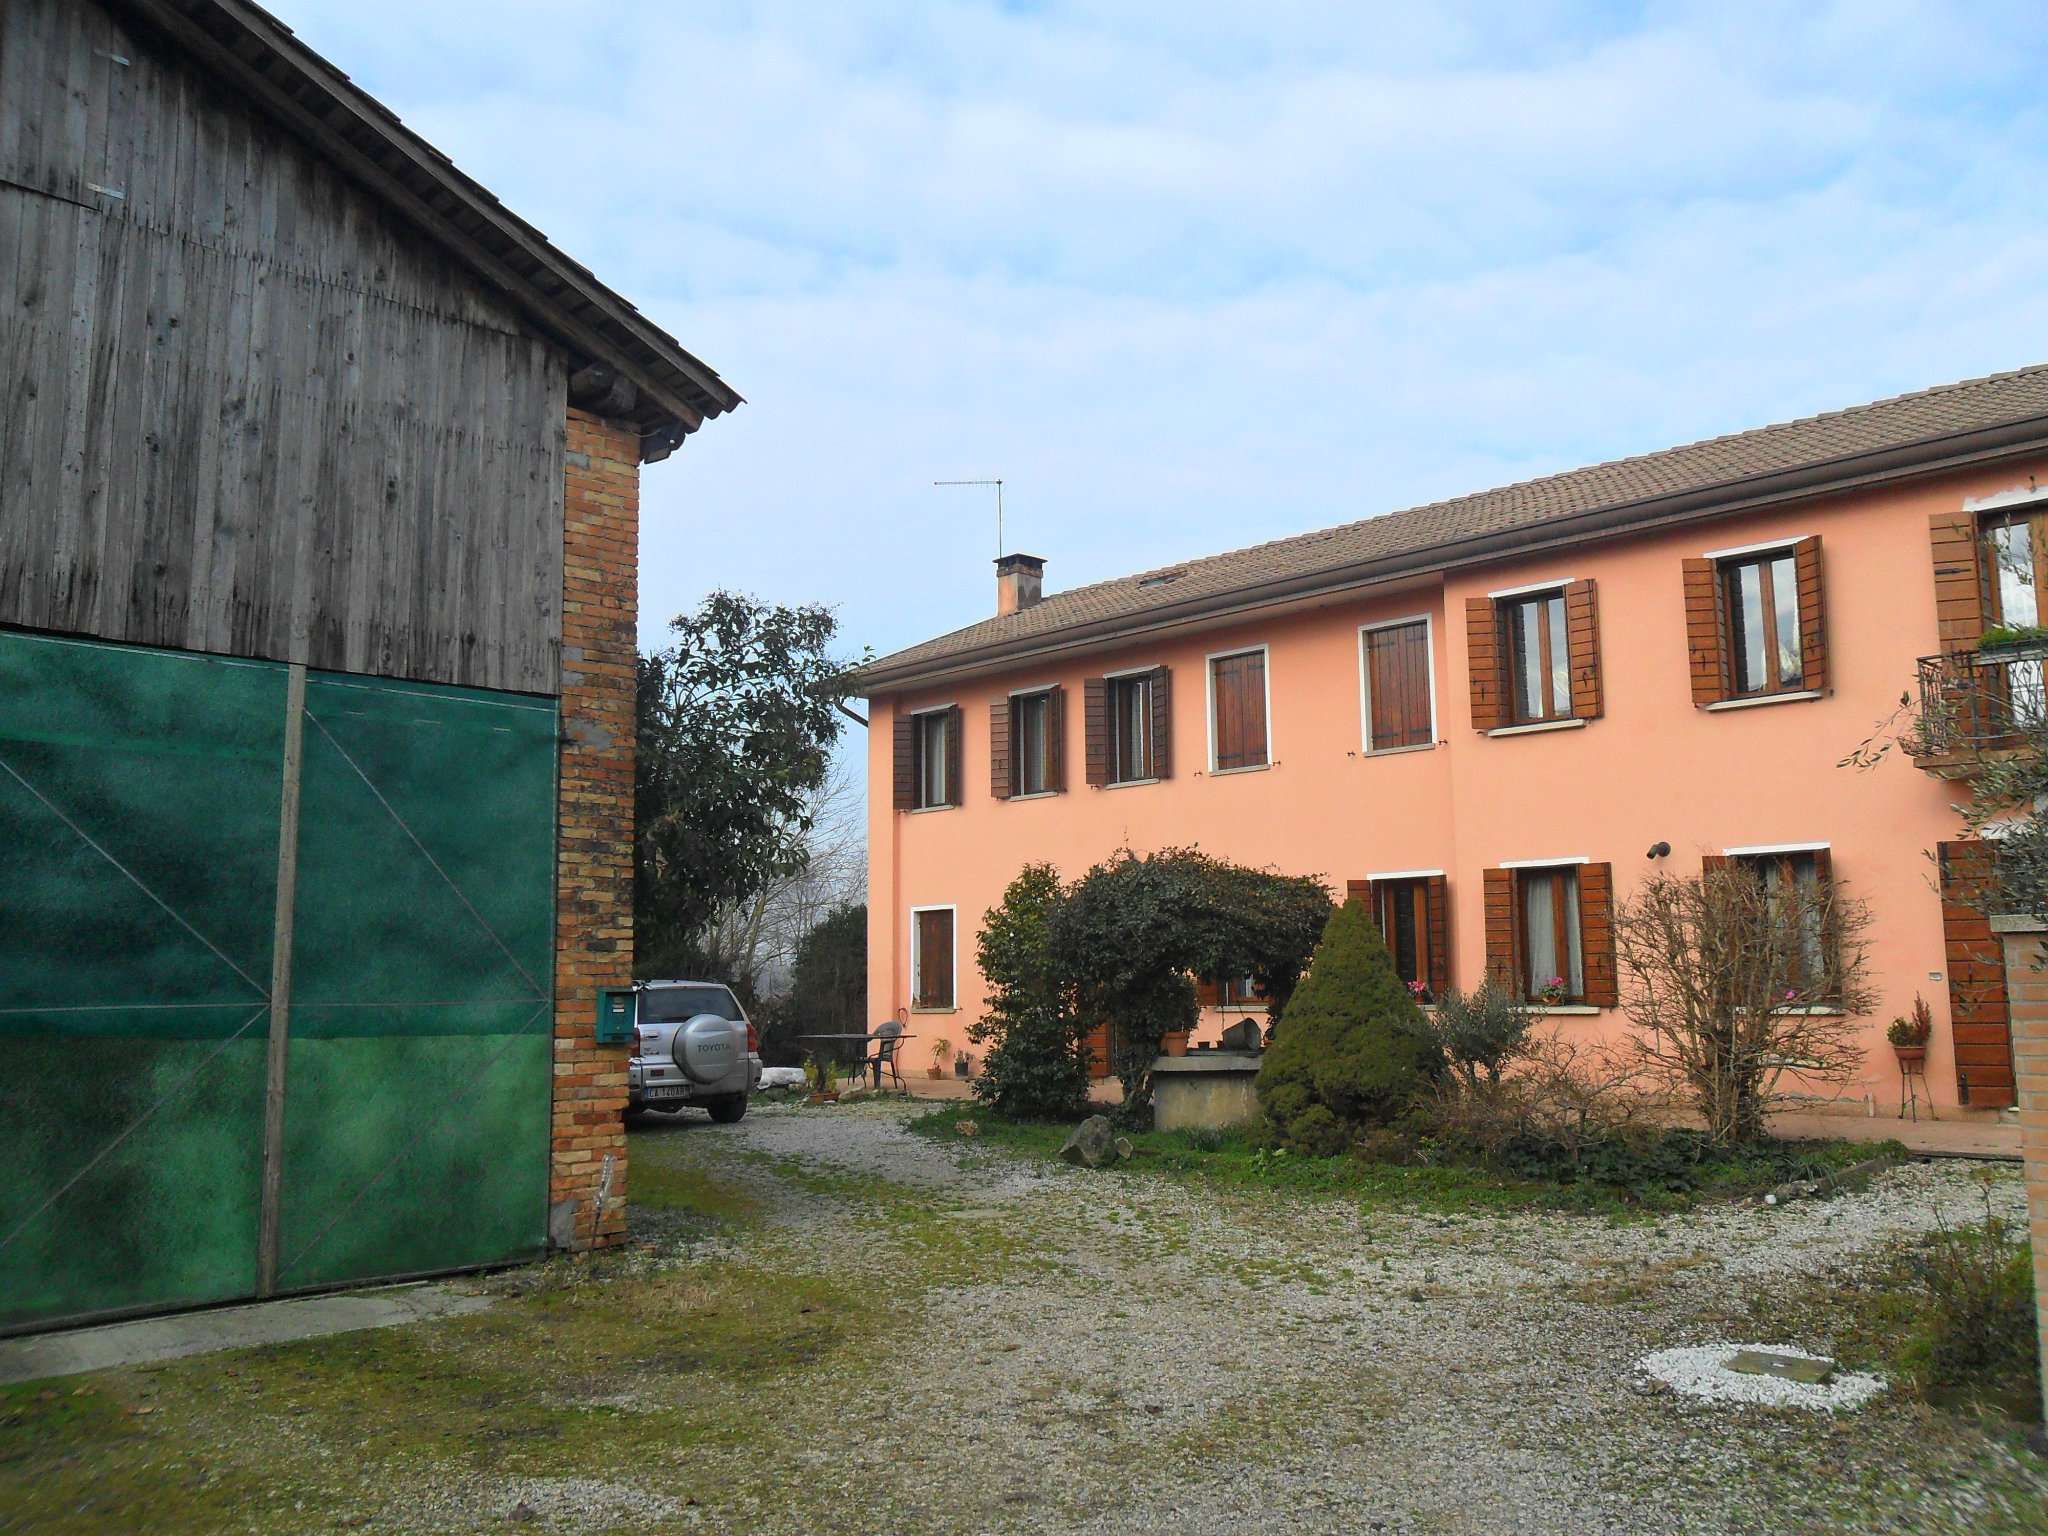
x=1753 y=493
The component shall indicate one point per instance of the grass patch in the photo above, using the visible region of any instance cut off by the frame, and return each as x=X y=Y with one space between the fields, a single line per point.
x=1949 y=1315
x=673 y=1191
x=1681 y=1171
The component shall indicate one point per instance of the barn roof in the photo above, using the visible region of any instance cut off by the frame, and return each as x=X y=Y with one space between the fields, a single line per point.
x=623 y=365
x=1952 y=424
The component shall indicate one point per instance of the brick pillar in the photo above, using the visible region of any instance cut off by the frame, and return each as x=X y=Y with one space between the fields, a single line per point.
x=2026 y=973
x=594 y=836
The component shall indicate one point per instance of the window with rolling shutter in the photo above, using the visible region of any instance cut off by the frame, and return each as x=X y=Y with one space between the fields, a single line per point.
x=1237 y=711
x=1400 y=707
x=931 y=957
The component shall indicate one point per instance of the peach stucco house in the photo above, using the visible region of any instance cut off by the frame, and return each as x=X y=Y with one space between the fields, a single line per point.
x=1484 y=714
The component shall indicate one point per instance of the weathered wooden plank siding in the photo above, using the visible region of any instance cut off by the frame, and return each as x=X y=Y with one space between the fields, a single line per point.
x=242 y=409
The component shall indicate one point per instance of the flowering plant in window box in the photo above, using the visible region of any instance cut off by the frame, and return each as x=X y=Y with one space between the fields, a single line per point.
x=1419 y=991
x=1553 y=992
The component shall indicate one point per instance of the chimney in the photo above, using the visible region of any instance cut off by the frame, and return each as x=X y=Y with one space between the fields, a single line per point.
x=1019 y=580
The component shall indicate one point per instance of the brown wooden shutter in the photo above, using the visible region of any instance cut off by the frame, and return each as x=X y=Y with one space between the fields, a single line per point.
x=1487 y=665
x=1095 y=731
x=1358 y=890
x=1436 y=900
x=1208 y=992
x=1162 y=723
x=906 y=763
x=999 y=749
x=1958 y=591
x=1713 y=861
x=1582 y=642
x=1980 y=1017
x=1706 y=639
x=955 y=725
x=1596 y=934
x=1813 y=626
x=1056 y=739
x=1500 y=928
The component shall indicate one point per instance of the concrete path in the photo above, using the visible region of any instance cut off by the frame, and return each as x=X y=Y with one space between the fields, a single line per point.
x=148 y=1340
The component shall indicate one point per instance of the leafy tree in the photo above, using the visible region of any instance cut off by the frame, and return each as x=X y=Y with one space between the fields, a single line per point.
x=1034 y=1067
x=828 y=987
x=1352 y=1050
x=1133 y=933
x=736 y=723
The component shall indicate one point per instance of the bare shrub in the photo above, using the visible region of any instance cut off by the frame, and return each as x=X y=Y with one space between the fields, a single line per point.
x=1733 y=981
x=1481 y=1031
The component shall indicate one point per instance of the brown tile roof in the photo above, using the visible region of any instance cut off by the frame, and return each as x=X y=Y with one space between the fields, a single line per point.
x=1425 y=537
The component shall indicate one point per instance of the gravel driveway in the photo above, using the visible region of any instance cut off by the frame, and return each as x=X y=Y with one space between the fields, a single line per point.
x=829 y=1324
x=1054 y=1349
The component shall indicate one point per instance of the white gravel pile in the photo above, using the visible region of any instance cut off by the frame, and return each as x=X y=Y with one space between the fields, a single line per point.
x=1702 y=1371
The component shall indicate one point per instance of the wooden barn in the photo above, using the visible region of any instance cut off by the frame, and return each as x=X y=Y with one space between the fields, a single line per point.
x=318 y=526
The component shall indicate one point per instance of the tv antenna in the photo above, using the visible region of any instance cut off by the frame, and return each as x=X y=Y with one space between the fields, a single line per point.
x=999 y=506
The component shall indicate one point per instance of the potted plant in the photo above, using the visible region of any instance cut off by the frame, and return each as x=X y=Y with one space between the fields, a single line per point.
x=941 y=1049
x=960 y=1065
x=1554 y=992
x=1175 y=1042
x=824 y=1076
x=2007 y=639
x=1909 y=1035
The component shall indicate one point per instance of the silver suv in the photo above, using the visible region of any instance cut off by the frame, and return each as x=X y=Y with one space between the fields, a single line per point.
x=694 y=1046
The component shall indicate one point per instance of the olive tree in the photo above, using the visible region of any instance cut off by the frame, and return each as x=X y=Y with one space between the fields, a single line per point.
x=1734 y=982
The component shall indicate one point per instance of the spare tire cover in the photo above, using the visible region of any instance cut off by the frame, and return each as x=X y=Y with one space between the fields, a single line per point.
x=709 y=1047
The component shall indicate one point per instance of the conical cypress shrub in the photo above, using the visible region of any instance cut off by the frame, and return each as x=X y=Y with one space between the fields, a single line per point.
x=1351 y=1050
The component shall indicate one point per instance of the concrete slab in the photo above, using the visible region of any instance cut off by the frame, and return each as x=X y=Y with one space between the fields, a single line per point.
x=148 y=1340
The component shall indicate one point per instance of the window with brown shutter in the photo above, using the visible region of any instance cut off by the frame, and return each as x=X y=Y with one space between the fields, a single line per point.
x=935 y=758
x=1033 y=742
x=1539 y=658
x=1483 y=661
x=931 y=961
x=999 y=768
x=1979 y=1010
x=1400 y=711
x=905 y=764
x=1806 y=871
x=1756 y=623
x=1582 y=646
x=1127 y=726
x=1237 y=711
x=1550 y=932
x=1958 y=587
x=1412 y=914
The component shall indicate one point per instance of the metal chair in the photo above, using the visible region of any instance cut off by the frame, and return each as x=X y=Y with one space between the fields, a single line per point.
x=887 y=1037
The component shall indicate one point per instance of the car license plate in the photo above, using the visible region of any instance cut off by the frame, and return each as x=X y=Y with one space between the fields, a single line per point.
x=664 y=1091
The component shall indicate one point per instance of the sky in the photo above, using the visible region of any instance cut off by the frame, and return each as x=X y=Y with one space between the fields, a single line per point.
x=1189 y=276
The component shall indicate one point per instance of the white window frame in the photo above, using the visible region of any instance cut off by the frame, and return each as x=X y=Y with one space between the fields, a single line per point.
x=1765 y=850
x=1209 y=697
x=1365 y=684
x=953 y=912
x=1745 y=551
x=1531 y=588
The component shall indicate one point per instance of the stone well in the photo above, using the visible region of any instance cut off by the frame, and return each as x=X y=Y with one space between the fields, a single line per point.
x=1204 y=1090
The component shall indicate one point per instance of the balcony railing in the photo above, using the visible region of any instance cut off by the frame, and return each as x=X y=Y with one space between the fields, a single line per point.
x=1974 y=704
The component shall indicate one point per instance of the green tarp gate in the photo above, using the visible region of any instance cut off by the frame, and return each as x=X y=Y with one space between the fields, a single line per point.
x=154 y=1034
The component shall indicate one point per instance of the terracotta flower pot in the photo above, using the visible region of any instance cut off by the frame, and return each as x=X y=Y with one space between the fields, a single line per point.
x=1176 y=1043
x=1910 y=1055
x=823 y=1098
x=934 y=1073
